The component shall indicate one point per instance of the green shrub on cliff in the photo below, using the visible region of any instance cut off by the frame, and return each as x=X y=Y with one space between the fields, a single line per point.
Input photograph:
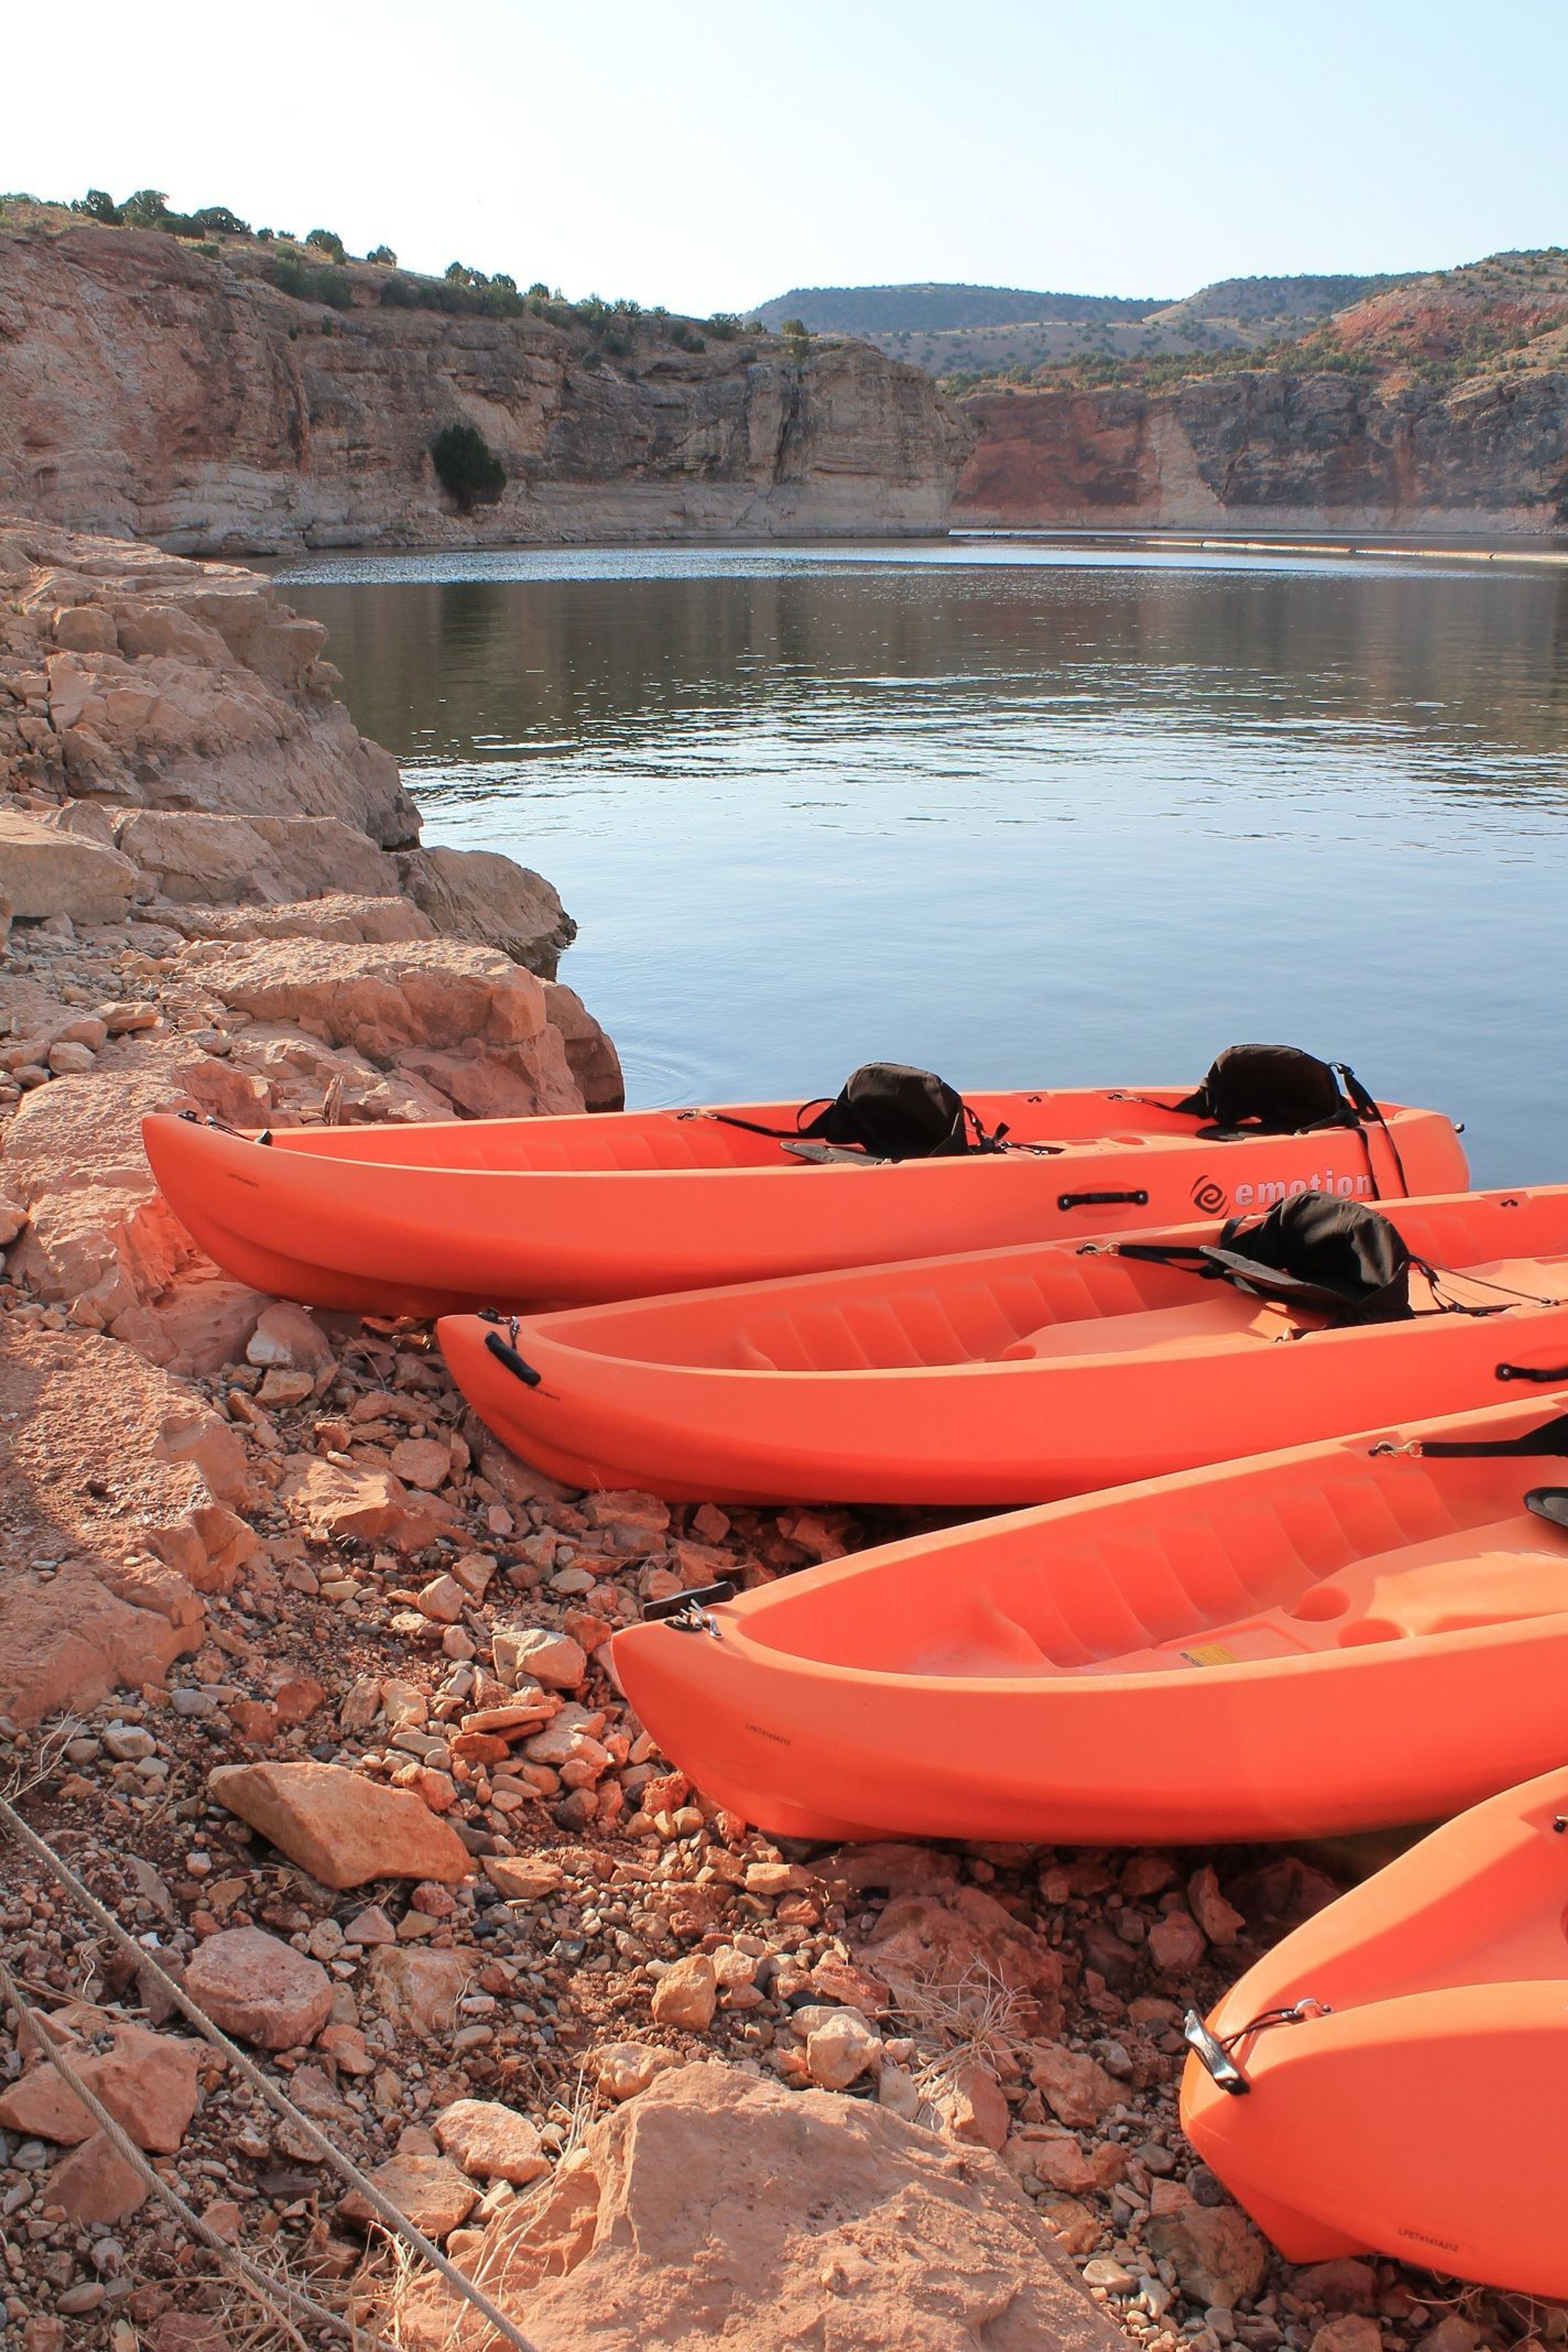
x=382 y=256
x=146 y=209
x=467 y=466
x=334 y=287
x=98 y=206
x=327 y=241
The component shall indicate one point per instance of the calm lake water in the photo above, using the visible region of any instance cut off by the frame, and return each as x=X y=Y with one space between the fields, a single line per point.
x=1022 y=811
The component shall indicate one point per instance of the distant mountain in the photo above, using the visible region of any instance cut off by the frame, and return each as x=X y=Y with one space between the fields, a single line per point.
x=1504 y=316
x=876 y=311
x=968 y=334
x=1271 y=301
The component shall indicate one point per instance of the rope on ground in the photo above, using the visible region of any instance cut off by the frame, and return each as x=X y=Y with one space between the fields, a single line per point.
x=396 y=2223
x=280 y=2300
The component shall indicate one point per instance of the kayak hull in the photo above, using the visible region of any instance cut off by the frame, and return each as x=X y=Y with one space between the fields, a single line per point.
x=1422 y=2118
x=1328 y=1639
x=518 y=1213
x=1000 y=1377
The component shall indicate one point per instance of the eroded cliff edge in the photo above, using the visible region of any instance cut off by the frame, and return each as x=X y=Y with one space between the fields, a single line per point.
x=1275 y=450
x=151 y=390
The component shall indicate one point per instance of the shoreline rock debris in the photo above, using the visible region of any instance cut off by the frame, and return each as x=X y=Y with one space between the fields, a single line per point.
x=307 y=1679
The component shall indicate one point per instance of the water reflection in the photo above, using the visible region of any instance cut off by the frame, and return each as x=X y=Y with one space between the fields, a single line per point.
x=1013 y=812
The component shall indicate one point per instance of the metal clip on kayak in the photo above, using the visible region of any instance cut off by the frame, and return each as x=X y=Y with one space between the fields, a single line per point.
x=687 y=1613
x=208 y=1119
x=1213 y=2050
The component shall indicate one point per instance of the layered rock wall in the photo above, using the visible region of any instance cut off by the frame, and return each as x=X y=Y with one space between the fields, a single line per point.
x=1275 y=451
x=148 y=390
x=217 y=901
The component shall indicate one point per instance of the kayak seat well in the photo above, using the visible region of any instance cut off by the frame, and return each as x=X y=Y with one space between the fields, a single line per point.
x=974 y=1317
x=1309 y=1572
x=1227 y=1315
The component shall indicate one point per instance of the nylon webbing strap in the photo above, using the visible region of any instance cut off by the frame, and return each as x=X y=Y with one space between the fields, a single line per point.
x=1551 y=1437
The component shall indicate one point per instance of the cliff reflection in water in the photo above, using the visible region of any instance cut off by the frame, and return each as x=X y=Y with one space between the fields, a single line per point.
x=1017 y=812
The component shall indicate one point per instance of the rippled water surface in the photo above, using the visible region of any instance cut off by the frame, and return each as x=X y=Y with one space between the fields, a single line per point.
x=1021 y=812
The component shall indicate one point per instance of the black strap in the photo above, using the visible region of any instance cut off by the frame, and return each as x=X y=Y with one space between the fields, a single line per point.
x=1368 y=1109
x=1540 y=1376
x=1550 y=1437
x=1217 y=1261
x=752 y=1126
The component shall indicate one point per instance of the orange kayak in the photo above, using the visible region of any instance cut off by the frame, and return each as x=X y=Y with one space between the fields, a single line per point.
x=1337 y=1637
x=1008 y=1376
x=514 y=1212
x=1410 y=2102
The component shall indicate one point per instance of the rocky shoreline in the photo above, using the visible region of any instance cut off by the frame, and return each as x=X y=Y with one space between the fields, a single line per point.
x=306 y=1678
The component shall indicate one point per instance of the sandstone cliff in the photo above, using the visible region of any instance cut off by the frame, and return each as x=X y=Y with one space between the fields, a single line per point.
x=1276 y=450
x=217 y=901
x=149 y=389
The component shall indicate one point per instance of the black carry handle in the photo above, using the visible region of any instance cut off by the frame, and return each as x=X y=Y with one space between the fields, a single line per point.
x=1548 y=1376
x=517 y=1365
x=699 y=1596
x=1101 y=1199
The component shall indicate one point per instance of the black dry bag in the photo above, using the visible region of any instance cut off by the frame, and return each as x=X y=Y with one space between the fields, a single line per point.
x=893 y=1113
x=1270 y=1090
x=1333 y=1257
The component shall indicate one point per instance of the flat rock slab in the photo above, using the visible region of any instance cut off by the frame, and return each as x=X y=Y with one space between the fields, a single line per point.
x=340 y=1827
x=419 y=1990
x=49 y=872
x=426 y=2190
x=146 y=2080
x=260 y=1989
x=66 y=1641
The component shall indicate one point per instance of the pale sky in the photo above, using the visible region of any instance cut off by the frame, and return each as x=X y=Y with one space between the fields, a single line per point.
x=709 y=154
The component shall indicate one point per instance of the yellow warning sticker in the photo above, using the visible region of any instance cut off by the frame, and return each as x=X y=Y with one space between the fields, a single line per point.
x=1211 y=1653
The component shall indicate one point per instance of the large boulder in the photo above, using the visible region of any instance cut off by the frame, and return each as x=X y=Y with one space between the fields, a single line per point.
x=477 y=893
x=715 y=2204
x=591 y=1056
x=464 y=1019
x=47 y=871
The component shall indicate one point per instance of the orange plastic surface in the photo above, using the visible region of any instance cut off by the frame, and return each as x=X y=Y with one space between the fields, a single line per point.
x=514 y=1212
x=1423 y=2117
x=1336 y=1637
x=1005 y=1376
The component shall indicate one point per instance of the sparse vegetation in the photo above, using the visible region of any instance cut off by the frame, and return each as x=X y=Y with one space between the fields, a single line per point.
x=319 y=268
x=295 y=277
x=467 y=466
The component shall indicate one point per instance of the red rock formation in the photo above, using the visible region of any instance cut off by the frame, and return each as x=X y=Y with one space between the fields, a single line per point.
x=1271 y=450
x=150 y=390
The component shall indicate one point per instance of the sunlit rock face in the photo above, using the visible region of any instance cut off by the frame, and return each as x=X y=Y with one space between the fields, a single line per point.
x=156 y=392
